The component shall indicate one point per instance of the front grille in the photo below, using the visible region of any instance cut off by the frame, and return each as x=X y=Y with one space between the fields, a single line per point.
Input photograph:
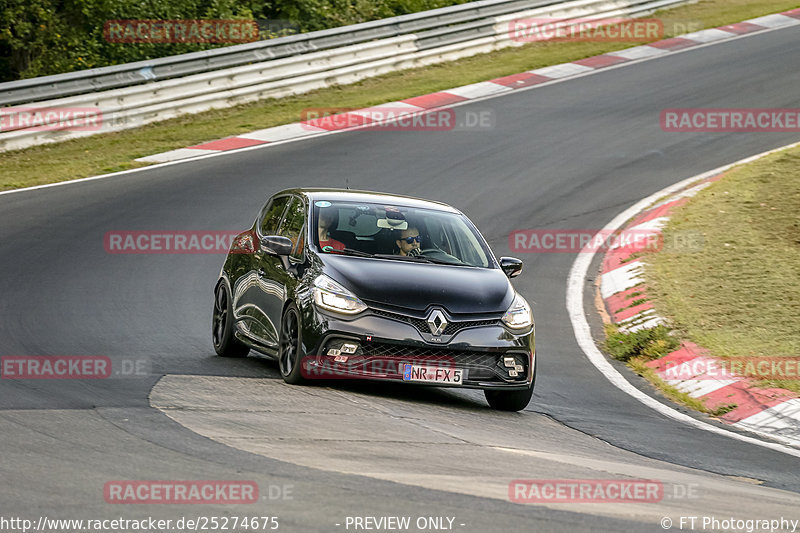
x=453 y=326
x=481 y=366
x=465 y=357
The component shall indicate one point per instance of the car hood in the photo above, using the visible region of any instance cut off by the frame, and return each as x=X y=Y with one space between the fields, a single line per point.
x=419 y=285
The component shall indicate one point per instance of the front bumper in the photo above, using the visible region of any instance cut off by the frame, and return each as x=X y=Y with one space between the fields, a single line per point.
x=384 y=344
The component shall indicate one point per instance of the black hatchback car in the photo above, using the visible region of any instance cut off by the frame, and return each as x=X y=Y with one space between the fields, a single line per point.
x=363 y=285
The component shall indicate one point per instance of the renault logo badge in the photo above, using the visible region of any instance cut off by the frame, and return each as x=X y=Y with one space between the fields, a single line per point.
x=436 y=322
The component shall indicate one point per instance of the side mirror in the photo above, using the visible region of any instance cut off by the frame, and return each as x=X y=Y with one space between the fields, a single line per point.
x=511 y=266
x=277 y=245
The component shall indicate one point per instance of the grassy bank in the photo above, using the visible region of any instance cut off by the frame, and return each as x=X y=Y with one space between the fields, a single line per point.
x=638 y=348
x=112 y=152
x=740 y=295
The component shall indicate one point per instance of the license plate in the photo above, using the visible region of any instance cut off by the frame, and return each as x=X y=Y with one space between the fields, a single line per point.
x=432 y=374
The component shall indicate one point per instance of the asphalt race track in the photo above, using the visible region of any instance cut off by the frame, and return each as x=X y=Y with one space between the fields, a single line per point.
x=570 y=155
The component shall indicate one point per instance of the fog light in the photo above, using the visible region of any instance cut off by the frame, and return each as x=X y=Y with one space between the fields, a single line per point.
x=510 y=362
x=513 y=373
x=349 y=348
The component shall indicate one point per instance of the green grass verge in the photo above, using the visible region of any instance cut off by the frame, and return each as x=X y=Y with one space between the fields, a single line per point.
x=638 y=365
x=638 y=348
x=117 y=151
x=646 y=344
x=739 y=296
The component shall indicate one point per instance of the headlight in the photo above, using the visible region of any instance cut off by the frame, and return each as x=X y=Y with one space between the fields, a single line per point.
x=331 y=296
x=519 y=315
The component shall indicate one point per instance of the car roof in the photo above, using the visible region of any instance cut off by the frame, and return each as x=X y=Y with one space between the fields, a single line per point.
x=347 y=195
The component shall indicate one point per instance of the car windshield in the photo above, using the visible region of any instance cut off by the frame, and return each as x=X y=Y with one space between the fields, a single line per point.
x=398 y=232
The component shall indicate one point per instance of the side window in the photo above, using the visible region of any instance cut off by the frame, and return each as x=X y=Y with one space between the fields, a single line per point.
x=292 y=225
x=273 y=214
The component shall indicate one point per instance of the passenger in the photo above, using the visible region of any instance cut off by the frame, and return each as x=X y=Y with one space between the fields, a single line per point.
x=328 y=218
x=409 y=241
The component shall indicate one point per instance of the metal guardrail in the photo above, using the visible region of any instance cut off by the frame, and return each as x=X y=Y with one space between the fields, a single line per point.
x=85 y=81
x=134 y=94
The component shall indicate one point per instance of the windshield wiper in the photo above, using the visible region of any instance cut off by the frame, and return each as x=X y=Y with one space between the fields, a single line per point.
x=414 y=258
x=441 y=261
x=351 y=251
x=417 y=258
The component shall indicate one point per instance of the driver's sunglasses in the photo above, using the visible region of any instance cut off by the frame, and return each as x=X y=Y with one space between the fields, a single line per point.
x=411 y=240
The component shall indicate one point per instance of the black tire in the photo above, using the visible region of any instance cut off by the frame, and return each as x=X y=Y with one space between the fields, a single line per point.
x=290 y=346
x=508 y=400
x=511 y=400
x=225 y=344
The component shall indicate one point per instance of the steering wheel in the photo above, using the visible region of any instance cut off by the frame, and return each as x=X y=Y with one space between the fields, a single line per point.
x=436 y=253
x=426 y=250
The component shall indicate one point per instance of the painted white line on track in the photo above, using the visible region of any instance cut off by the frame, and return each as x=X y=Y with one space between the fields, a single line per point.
x=174 y=155
x=398 y=108
x=647 y=324
x=580 y=325
x=563 y=70
x=777 y=20
x=782 y=417
x=283 y=132
x=639 y=52
x=707 y=36
x=621 y=279
x=697 y=388
x=480 y=89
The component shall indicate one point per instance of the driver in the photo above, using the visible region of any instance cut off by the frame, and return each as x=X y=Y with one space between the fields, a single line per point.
x=409 y=241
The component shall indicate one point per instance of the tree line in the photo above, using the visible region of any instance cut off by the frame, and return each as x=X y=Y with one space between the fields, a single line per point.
x=43 y=37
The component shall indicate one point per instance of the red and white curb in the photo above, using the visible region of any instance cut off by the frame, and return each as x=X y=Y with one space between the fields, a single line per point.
x=425 y=103
x=691 y=368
